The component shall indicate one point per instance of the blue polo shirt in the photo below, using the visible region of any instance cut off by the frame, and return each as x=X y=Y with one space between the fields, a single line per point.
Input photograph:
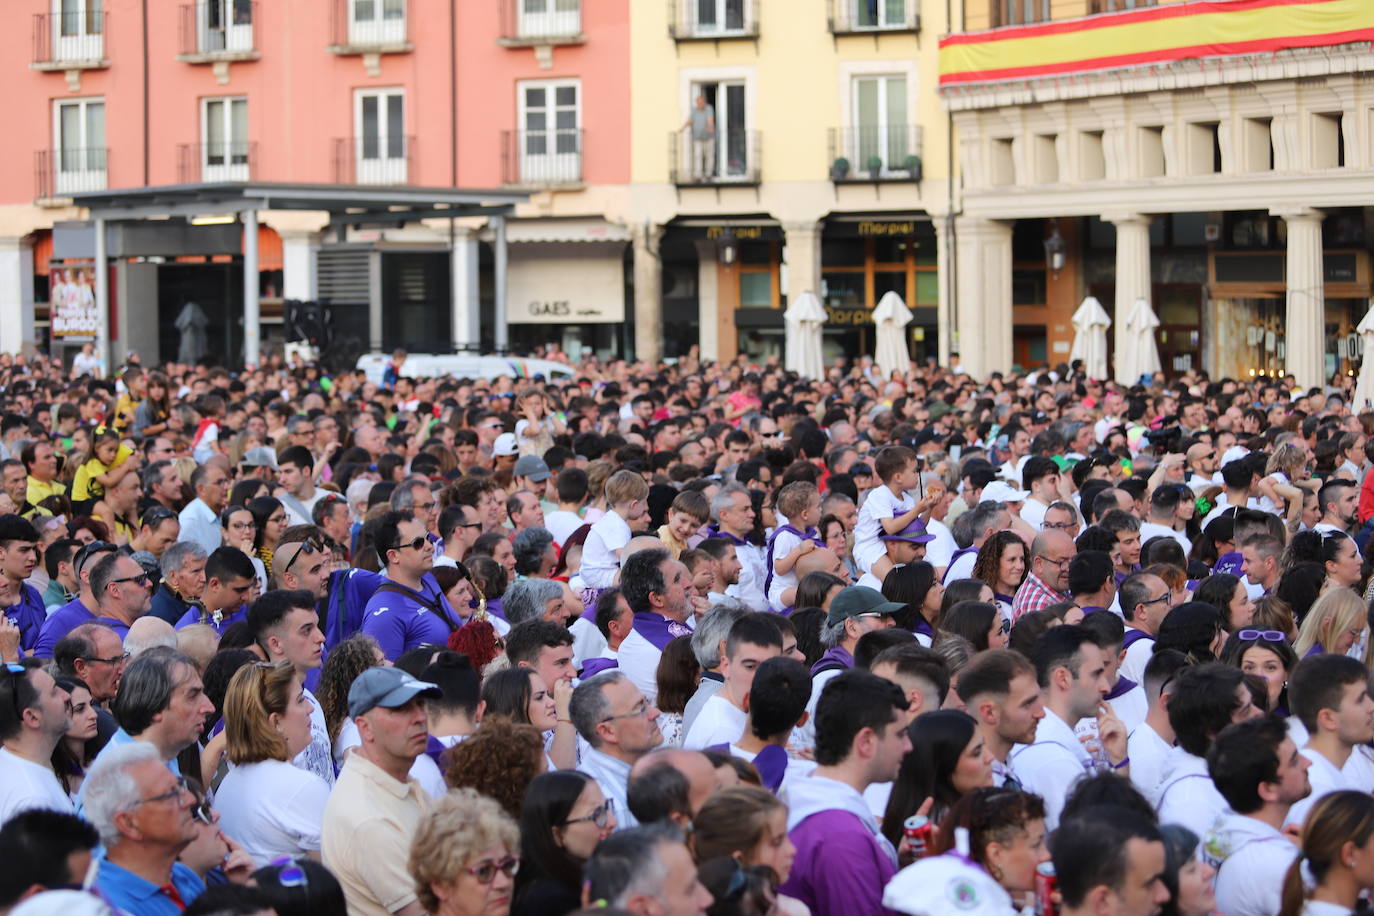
x=403 y=620
x=114 y=623
x=133 y=894
x=28 y=615
x=62 y=621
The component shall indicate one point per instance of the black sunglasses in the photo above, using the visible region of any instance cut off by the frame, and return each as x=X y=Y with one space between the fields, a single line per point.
x=142 y=579
x=310 y=545
x=415 y=544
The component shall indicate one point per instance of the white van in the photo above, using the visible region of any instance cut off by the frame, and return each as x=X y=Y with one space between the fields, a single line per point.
x=463 y=365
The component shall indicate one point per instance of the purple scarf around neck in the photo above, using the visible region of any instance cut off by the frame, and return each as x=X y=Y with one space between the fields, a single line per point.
x=658 y=629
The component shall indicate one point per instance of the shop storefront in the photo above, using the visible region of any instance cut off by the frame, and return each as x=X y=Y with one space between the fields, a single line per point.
x=864 y=257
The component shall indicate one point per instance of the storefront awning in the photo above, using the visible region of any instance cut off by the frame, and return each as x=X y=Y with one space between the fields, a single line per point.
x=519 y=231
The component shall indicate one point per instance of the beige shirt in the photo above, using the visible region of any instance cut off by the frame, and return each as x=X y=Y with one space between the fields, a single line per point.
x=368 y=825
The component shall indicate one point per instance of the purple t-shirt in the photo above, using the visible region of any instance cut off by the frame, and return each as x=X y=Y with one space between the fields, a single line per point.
x=63 y=620
x=28 y=615
x=401 y=621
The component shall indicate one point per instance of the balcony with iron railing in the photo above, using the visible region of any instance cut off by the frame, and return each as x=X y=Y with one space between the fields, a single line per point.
x=216 y=162
x=66 y=171
x=712 y=20
x=532 y=23
x=370 y=27
x=542 y=158
x=380 y=159
x=728 y=159
x=876 y=153
x=218 y=30
x=70 y=41
x=863 y=17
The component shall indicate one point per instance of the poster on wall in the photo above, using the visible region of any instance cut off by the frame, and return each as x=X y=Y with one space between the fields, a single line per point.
x=72 y=295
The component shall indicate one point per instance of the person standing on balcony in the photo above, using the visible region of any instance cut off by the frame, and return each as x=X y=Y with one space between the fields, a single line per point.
x=702 y=122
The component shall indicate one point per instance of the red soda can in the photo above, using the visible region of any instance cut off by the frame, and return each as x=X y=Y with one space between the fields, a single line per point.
x=1045 y=884
x=918 y=830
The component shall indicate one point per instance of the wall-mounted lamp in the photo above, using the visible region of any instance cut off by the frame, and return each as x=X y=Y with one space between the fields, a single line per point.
x=1055 y=249
x=728 y=246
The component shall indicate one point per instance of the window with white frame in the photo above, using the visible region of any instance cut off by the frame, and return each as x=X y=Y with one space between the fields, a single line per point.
x=79 y=30
x=224 y=25
x=224 y=139
x=79 y=145
x=719 y=16
x=550 y=18
x=376 y=22
x=880 y=139
x=550 y=131
x=879 y=14
x=380 y=139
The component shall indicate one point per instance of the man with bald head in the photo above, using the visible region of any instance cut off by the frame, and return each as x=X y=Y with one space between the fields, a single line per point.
x=1203 y=461
x=825 y=560
x=670 y=784
x=1047 y=582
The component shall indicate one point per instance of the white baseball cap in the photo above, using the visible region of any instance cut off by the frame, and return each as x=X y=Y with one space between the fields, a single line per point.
x=505 y=446
x=999 y=491
x=944 y=885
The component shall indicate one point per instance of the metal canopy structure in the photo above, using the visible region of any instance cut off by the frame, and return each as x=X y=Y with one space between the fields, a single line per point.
x=347 y=205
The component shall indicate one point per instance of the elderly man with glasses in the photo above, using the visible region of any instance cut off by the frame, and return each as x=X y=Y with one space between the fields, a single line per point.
x=1048 y=581
x=145 y=815
x=621 y=725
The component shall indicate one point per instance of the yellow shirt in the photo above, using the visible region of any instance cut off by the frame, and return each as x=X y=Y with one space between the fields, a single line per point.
x=675 y=547
x=124 y=413
x=85 y=486
x=39 y=491
x=365 y=838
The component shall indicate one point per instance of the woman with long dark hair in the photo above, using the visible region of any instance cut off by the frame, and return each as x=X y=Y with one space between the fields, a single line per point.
x=916 y=586
x=948 y=759
x=564 y=817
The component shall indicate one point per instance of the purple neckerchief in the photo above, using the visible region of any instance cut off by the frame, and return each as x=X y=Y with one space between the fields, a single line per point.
x=713 y=532
x=810 y=534
x=1192 y=584
x=1133 y=636
x=658 y=629
x=494 y=608
x=1123 y=684
x=1090 y=609
x=770 y=763
x=1229 y=563
x=1315 y=650
x=838 y=657
x=435 y=749
x=921 y=626
x=1007 y=599
x=594 y=666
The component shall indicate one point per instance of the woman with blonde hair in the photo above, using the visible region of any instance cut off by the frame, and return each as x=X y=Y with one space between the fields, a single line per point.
x=1335 y=622
x=271 y=807
x=464 y=857
x=1337 y=849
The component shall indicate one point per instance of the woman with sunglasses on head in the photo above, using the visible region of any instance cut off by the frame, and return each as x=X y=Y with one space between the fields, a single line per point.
x=564 y=817
x=270 y=806
x=1265 y=653
x=464 y=857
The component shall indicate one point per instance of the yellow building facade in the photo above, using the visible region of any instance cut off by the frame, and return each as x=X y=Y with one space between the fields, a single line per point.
x=781 y=147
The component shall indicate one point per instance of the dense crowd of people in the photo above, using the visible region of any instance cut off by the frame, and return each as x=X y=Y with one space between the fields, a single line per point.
x=683 y=639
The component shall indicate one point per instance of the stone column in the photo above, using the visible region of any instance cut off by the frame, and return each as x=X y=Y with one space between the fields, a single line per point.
x=983 y=298
x=944 y=307
x=465 y=291
x=648 y=275
x=252 y=324
x=708 y=300
x=501 y=318
x=802 y=254
x=1305 y=318
x=16 y=294
x=1132 y=278
x=300 y=274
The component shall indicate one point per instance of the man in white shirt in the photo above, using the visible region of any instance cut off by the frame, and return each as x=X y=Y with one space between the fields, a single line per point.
x=707 y=641
x=1205 y=699
x=1261 y=566
x=1041 y=479
x=296 y=479
x=724 y=566
x=1145 y=601
x=1072 y=671
x=1000 y=691
x=1340 y=501
x=1171 y=505
x=1150 y=742
x=1330 y=696
x=655 y=587
x=1202 y=460
x=34 y=714
x=753 y=640
x=200 y=519
x=621 y=725
x=1260 y=774
x=287 y=628
x=733 y=514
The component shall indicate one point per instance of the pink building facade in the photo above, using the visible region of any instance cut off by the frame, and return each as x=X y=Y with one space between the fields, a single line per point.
x=529 y=95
